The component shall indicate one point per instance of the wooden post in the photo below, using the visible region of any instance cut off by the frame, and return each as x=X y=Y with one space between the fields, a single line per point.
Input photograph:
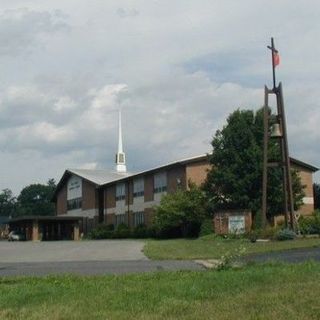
x=265 y=157
x=76 y=234
x=284 y=163
x=35 y=230
x=286 y=160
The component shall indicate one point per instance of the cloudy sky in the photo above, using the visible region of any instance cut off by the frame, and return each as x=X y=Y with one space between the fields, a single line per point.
x=176 y=68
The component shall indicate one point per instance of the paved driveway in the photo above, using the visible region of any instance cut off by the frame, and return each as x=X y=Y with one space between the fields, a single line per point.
x=95 y=267
x=57 y=251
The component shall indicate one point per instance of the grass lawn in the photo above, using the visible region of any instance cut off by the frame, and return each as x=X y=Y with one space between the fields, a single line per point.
x=214 y=247
x=256 y=292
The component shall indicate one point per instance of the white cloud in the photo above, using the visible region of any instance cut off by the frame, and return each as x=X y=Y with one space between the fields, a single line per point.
x=176 y=68
x=20 y=27
x=64 y=103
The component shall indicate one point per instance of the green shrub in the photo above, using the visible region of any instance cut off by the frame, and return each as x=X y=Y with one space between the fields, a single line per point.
x=141 y=231
x=122 y=231
x=206 y=227
x=310 y=225
x=102 y=231
x=180 y=214
x=285 y=234
x=167 y=232
x=253 y=235
x=269 y=232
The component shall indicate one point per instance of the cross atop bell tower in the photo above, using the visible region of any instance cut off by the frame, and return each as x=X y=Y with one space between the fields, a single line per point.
x=120 y=156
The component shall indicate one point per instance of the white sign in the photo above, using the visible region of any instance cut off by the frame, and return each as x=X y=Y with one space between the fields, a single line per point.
x=236 y=224
x=74 y=188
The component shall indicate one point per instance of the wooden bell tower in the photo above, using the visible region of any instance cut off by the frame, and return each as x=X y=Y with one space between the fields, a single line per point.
x=279 y=132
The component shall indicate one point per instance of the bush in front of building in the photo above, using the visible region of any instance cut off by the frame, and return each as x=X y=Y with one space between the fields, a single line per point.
x=269 y=232
x=180 y=214
x=310 y=225
x=285 y=234
x=206 y=227
x=102 y=231
x=122 y=231
x=141 y=231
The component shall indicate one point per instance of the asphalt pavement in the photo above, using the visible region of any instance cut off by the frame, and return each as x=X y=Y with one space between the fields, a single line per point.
x=94 y=267
x=57 y=251
x=109 y=257
x=290 y=256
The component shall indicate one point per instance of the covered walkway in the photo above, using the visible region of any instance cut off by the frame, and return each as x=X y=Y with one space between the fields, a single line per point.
x=46 y=228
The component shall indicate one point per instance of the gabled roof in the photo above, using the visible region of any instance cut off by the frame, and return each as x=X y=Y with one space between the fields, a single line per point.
x=303 y=164
x=98 y=177
x=104 y=177
x=164 y=166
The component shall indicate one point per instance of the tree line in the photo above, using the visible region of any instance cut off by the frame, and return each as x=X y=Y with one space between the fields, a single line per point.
x=34 y=199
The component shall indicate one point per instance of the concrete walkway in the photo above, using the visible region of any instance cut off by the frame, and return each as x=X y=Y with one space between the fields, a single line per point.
x=56 y=251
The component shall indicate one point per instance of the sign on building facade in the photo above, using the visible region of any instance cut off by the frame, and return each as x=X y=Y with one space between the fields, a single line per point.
x=74 y=190
x=236 y=224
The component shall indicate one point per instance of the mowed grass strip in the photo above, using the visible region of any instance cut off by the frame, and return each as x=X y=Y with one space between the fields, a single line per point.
x=214 y=247
x=255 y=292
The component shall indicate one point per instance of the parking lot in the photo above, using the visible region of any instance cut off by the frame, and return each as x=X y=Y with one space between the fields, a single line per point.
x=58 y=251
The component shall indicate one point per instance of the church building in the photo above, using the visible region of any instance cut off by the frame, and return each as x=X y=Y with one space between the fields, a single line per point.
x=101 y=196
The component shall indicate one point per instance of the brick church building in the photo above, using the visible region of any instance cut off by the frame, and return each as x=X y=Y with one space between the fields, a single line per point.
x=101 y=196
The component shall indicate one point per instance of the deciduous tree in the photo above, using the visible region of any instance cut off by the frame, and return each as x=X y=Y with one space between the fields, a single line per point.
x=7 y=203
x=181 y=213
x=235 y=180
x=35 y=199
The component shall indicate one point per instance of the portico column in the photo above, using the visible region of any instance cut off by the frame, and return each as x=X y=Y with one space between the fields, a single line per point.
x=35 y=230
x=76 y=231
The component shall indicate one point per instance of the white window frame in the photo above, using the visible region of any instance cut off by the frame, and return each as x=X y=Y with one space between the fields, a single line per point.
x=120 y=191
x=138 y=218
x=160 y=182
x=138 y=187
x=120 y=218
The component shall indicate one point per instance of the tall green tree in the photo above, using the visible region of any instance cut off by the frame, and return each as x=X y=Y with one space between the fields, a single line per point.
x=35 y=199
x=7 y=203
x=235 y=180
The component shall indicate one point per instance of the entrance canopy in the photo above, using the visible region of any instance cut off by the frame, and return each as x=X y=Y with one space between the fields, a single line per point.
x=47 y=227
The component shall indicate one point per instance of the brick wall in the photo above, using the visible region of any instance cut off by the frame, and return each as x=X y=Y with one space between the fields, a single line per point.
x=110 y=196
x=148 y=187
x=173 y=175
x=130 y=219
x=110 y=219
x=306 y=180
x=129 y=191
x=89 y=195
x=196 y=172
x=61 y=203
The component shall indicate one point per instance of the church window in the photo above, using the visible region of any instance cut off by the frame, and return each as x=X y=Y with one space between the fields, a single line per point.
x=160 y=182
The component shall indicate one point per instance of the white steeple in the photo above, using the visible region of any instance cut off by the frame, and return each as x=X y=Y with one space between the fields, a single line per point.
x=120 y=156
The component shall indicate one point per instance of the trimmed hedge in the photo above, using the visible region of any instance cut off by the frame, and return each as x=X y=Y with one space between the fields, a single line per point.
x=122 y=231
x=102 y=231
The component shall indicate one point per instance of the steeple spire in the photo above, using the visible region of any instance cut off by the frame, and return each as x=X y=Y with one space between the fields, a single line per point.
x=120 y=156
